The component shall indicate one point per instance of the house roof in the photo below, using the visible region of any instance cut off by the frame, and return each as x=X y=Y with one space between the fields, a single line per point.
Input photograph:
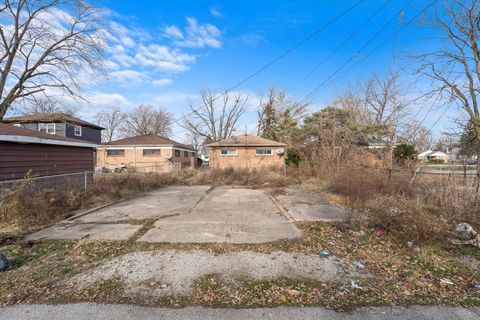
x=425 y=153
x=51 y=117
x=247 y=140
x=147 y=140
x=20 y=135
x=437 y=154
x=430 y=153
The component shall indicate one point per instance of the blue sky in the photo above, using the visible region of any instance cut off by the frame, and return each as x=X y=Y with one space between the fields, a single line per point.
x=163 y=52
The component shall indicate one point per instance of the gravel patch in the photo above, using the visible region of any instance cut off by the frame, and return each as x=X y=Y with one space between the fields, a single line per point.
x=166 y=272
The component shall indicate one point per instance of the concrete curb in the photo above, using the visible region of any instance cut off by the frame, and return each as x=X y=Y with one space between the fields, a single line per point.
x=280 y=206
x=91 y=210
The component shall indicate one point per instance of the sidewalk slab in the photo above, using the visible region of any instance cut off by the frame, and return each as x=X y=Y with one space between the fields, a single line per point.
x=305 y=206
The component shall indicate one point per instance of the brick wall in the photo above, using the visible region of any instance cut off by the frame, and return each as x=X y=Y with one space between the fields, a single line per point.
x=134 y=158
x=246 y=158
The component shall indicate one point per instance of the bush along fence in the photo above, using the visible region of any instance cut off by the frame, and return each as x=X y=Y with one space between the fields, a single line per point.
x=33 y=186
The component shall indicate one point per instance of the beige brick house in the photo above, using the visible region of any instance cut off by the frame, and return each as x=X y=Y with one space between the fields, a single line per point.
x=146 y=153
x=246 y=151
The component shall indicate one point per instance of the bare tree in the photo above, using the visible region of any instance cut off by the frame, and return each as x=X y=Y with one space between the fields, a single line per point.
x=216 y=117
x=145 y=119
x=417 y=135
x=112 y=121
x=454 y=67
x=195 y=140
x=47 y=46
x=44 y=105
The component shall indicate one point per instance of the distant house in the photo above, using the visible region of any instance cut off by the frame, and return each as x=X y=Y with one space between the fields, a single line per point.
x=146 y=153
x=246 y=151
x=59 y=124
x=433 y=156
x=41 y=154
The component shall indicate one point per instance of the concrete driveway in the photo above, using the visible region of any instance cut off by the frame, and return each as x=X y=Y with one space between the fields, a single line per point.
x=193 y=214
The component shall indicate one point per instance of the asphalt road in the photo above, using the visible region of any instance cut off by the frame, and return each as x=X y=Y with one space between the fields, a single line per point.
x=91 y=311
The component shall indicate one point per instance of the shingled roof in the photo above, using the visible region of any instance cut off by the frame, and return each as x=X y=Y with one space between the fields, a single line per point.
x=51 y=117
x=247 y=140
x=15 y=134
x=147 y=140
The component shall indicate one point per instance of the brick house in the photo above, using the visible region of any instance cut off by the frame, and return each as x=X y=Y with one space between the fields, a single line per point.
x=146 y=153
x=246 y=151
x=59 y=124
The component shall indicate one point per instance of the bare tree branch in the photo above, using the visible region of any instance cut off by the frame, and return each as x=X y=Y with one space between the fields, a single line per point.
x=47 y=44
x=145 y=119
x=214 y=119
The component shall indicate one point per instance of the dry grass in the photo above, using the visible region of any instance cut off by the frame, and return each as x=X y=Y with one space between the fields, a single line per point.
x=425 y=210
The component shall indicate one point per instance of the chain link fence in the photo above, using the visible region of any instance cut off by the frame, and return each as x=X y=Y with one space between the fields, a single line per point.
x=35 y=186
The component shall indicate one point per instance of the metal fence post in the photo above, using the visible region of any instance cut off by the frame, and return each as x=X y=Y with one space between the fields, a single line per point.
x=86 y=182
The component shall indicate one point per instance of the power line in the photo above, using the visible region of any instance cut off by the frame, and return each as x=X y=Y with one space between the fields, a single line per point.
x=281 y=56
x=299 y=44
x=325 y=83
x=438 y=120
x=353 y=34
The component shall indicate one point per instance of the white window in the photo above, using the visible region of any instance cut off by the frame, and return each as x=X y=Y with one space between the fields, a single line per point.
x=228 y=152
x=47 y=128
x=77 y=131
x=264 y=152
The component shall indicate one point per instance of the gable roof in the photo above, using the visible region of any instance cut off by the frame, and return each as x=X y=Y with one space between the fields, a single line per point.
x=51 y=117
x=15 y=134
x=247 y=140
x=147 y=140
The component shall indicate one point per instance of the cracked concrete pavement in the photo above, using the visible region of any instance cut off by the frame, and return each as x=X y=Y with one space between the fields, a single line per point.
x=200 y=214
x=173 y=272
x=193 y=214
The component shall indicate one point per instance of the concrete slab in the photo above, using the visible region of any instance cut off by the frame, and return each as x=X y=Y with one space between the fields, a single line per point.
x=90 y=231
x=305 y=206
x=226 y=214
x=156 y=204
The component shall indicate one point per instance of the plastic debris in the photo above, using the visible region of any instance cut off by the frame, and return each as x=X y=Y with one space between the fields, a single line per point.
x=446 y=281
x=325 y=253
x=355 y=285
x=359 y=265
x=3 y=262
x=378 y=233
x=476 y=286
x=464 y=231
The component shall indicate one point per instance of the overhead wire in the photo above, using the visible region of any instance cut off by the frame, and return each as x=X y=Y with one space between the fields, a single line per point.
x=341 y=45
x=327 y=82
x=281 y=56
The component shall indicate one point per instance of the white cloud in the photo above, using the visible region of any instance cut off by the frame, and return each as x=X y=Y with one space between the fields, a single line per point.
x=128 y=42
x=128 y=77
x=102 y=99
x=252 y=38
x=162 y=82
x=215 y=12
x=173 y=32
x=195 y=35
x=163 y=58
